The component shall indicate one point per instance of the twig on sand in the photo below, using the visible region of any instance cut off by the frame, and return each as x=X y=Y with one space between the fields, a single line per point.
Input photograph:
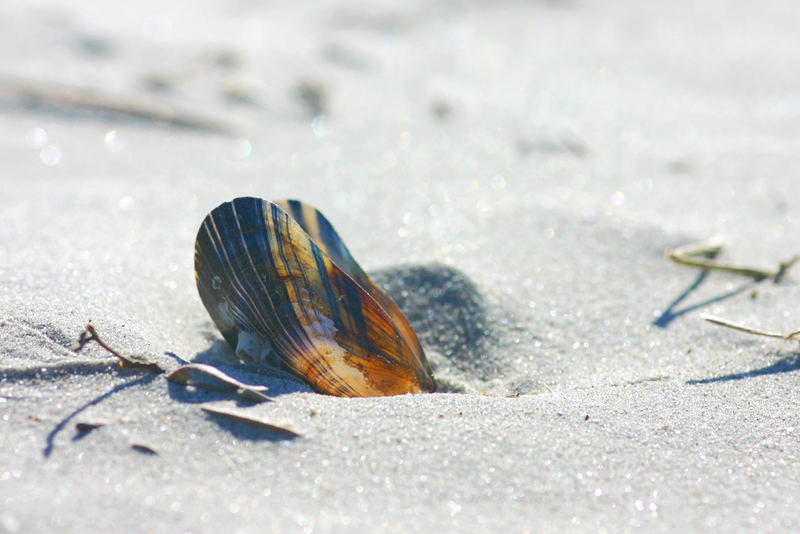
x=90 y=334
x=736 y=326
x=186 y=374
x=689 y=255
x=238 y=415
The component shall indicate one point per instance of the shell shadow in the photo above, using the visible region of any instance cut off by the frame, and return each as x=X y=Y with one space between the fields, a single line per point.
x=448 y=313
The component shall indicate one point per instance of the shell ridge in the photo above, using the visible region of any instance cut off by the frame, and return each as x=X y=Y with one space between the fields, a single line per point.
x=331 y=243
x=346 y=259
x=306 y=282
x=308 y=303
x=353 y=300
x=265 y=327
x=319 y=259
x=245 y=289
x=403 y=342
x=297 y=212
x=243 y=303
x=204 y=263
x=332 y=296
x=221 y=248
x=279 y=220
x=234 y=312
x=335 y=304
x=282 y=316
x=333 y=301
x=340 y=256
x=280 y=225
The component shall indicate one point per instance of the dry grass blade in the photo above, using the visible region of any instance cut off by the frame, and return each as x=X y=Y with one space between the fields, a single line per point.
x=689 y=255
x=186 y=375
x=710 y=247
x=245 y=418
x=90 y=334
x=70 y=97
x=736 y=326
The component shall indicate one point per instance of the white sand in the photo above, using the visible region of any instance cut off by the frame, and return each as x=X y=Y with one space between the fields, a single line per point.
x=513 y=173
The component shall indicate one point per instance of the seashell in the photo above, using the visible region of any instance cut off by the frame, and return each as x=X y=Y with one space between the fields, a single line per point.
x=284 y=291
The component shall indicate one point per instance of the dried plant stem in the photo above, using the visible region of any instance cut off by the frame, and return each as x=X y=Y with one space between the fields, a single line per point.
x=736 y=326
x=186 y=373
x=90 y=334
x=689 y=255
x=71 y=97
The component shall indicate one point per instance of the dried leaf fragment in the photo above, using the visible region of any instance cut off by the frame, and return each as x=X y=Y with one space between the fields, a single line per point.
x=238 y=415
x=85 y=428
x=144 y=449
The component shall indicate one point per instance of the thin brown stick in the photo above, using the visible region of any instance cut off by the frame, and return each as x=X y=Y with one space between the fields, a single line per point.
x=186 y=373
x=90 y=334
x=688 y=255
x=736 y=326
